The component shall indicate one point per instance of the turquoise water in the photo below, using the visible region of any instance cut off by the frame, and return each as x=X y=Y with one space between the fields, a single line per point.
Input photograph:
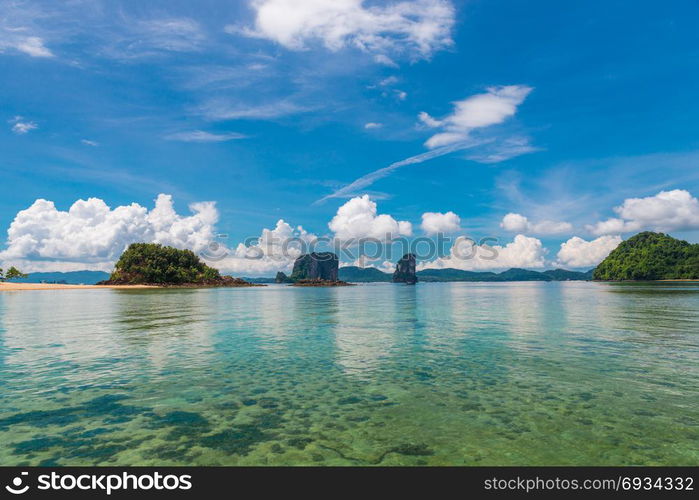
x=461 y=373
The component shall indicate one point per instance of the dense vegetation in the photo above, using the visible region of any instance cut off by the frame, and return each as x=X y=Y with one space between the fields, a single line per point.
x=650 y=256
x=362 y=274
x=150 y=263
x=565 y=275
x=11 y=274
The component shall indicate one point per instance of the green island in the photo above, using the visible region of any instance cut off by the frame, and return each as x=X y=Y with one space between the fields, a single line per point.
x=650 y=256
x=155 y=264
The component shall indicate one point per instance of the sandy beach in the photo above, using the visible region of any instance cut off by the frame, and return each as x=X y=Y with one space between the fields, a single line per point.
x=52 y=286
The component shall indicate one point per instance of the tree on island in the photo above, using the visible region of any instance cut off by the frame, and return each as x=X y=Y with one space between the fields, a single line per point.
x=155 y=264
x=12 y=273
x=650 y=256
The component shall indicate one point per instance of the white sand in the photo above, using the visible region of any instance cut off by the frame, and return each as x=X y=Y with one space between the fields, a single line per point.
x=52 y=286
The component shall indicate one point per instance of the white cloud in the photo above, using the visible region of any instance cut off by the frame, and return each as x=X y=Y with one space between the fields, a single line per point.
x=88 y=142
x=223 y=109
x=465 y=254
x=372 y=125
x=414 y=27
x=92 y=235
x=436 y=222
x=146 y=38
x=17 y=39
x=33 y=46
x=275 y=250
x=388 y=81
x=21 y=126
x=358 y=219
x=577 y=252
x=385 y=60
x=477 y=111
x=610 y=226
x=666 y=211
x=518 y=223
x=172 y=34
x=502 y=150
x=203 y=136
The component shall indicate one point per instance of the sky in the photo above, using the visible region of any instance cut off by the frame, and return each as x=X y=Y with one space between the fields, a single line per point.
x=546 y=131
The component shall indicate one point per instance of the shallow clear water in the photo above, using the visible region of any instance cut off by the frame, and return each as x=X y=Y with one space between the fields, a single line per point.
x=461 y=373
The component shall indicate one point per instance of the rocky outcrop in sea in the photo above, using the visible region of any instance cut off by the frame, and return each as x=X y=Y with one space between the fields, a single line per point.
x=316 y=269
x=405 y=270
x=282 y=278
x=316 y=266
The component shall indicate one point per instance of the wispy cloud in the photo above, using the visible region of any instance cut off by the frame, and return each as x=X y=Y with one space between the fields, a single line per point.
x=31 y=45
x=88 y=142
x=203 y=136
x=21 y=126
x=133 y=39
x=503 y=150
x=21 y=39
x=354 y=187
x=224 y=109
x=473 y=113
x=372 y=125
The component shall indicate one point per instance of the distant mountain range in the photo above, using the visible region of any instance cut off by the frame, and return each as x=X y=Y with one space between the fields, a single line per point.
x=352 y=274
x=69 y=278
x=371 y=274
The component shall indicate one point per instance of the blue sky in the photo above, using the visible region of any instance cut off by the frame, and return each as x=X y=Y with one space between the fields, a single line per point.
x=268 y=108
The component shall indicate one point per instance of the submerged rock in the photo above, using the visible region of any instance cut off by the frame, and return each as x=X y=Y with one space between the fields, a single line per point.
x=405 y=270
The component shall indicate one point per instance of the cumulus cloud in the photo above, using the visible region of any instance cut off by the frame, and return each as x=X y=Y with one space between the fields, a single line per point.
x=92 y=235
x=478 y=111
x=414 y=27
x=436 y=222
x=577 y=252
x=518 y=223
x=21 y=126
x=372 y=125
x=275 y=250
x=203 y=136
x=358 y=219
x=666 y=211
x=465 y=254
